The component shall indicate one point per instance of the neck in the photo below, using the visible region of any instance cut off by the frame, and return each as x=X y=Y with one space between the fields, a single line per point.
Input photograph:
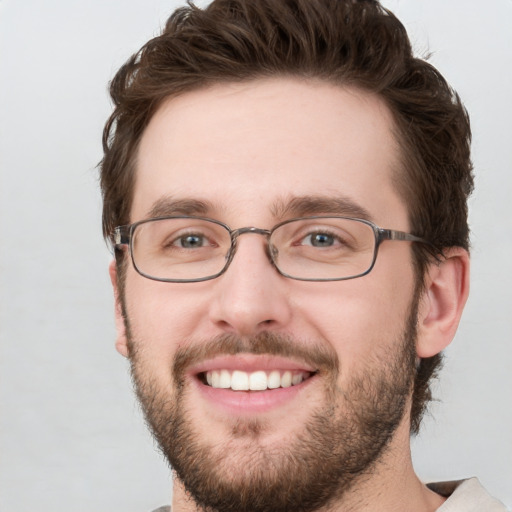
x=392 y=484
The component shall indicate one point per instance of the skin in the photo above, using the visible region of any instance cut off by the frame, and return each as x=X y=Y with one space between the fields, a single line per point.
x=246 y=149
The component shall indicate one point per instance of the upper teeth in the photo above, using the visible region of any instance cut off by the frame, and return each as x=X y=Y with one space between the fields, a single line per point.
x=254 y=381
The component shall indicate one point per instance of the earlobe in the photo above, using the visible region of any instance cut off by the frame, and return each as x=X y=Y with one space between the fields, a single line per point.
x=121 y=341
x=445 y=294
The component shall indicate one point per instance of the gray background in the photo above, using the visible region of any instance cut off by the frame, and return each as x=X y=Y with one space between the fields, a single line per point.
x=71 y=436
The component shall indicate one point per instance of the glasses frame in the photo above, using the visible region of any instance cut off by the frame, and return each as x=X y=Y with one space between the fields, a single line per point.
x=123 y=236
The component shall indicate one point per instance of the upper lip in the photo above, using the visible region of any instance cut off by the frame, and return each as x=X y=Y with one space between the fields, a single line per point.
x=250 y=363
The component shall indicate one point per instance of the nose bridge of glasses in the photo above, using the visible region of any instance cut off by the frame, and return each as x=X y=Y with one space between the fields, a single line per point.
x=235 y=234
x=250 y=229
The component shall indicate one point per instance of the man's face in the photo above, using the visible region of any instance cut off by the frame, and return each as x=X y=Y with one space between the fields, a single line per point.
x=255 y=154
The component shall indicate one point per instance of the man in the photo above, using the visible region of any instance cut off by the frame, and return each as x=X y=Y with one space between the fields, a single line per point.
x=285 y=187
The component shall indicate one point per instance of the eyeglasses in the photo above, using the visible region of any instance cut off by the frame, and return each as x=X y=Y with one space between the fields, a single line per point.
x=182 y=249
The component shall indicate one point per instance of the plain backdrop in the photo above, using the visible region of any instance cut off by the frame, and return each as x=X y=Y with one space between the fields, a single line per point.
x=71 y=434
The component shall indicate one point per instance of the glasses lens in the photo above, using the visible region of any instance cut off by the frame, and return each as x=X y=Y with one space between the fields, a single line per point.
x=180 y=248
x=323 y=248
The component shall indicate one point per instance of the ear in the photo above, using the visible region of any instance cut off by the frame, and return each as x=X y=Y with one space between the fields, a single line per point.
x=121 y=341
x=445 y=294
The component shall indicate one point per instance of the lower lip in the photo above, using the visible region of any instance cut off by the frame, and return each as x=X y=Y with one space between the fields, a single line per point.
x=251 y=402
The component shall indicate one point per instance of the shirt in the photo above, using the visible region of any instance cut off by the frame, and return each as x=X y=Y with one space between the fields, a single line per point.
x=466 y=496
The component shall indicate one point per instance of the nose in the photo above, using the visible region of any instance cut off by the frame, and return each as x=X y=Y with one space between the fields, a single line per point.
x=251 y=296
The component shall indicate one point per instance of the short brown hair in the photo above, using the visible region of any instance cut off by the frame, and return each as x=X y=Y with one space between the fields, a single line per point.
x=347 y=42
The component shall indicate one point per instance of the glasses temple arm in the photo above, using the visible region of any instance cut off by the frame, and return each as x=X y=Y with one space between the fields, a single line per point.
x=391 y=234
x=121 y=236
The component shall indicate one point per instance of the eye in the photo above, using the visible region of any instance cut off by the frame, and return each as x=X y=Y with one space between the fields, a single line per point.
x=191 y=241
x=320 y=239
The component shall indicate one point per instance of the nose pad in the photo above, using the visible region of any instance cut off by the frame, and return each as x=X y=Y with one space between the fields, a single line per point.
x=272 y=253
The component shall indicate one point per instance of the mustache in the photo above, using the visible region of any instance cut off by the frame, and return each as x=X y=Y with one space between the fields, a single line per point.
x=320 y=356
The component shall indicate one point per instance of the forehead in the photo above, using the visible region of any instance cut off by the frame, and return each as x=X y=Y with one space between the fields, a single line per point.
x=248 y=150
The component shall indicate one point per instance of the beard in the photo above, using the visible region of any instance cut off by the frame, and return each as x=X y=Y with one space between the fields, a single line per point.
x=339 y=445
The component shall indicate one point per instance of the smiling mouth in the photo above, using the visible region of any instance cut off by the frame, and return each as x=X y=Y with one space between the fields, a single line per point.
x=260 y=380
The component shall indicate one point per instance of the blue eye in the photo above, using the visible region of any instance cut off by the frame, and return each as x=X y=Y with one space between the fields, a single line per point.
x=191 y=241
x=319 y=240
x=322 y=240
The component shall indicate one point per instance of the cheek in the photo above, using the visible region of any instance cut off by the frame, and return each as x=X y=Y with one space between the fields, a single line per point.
x=162 y=316
x=360 y=319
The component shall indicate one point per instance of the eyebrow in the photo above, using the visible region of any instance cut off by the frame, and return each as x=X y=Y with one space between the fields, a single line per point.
x=282 y=209
x=167 y=206
x=303 y=206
